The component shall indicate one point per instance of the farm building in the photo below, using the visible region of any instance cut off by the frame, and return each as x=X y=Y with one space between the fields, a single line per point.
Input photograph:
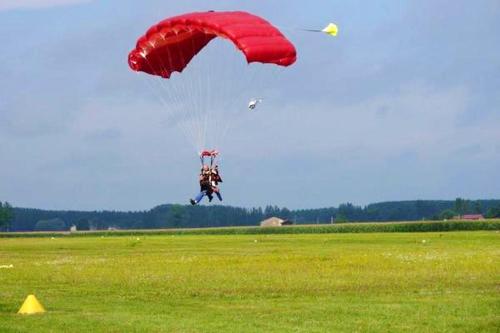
x=275 y=222
x=472 y=217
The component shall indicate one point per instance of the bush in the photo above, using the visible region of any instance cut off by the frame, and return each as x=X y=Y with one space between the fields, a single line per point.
x=299 y=229
x=447 y=214
x=493 y=212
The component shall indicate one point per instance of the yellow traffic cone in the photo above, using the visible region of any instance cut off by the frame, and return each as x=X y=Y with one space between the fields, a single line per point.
x=31 y=306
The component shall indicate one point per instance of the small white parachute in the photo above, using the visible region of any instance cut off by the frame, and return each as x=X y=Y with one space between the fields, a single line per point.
x=253 y=103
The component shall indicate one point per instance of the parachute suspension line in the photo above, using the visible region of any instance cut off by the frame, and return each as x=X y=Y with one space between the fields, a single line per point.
x=249 y=76
x=230 y=90
x=182 y=91
x=193 y=95
x=249 y=82
x=216 y=96
x=205 y=100
x=199 y=101
x=178 y=90
x=192 y=108
x=197 y=97
x=175 y=90
x=204 y=85
x=157 y=90
x=219 y=95
x=211 y=80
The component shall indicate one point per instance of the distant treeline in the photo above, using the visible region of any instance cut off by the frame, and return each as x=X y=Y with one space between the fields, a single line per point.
x=179 y=216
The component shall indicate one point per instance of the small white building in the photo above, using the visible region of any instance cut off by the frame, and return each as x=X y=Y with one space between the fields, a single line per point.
x=275 y=222
x=73 y=228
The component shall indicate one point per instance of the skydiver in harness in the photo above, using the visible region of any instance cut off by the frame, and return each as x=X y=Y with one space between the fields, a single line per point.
x=209 y=178
x=215 y=179
x=205 y=186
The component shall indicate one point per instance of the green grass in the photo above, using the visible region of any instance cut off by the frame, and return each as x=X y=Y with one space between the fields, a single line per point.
x=347 y=282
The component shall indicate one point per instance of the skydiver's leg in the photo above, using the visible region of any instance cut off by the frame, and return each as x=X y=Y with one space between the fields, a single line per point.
x=217 y=193
x=200 y=196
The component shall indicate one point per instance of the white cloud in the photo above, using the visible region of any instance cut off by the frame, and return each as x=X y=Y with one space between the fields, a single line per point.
x=32 y=4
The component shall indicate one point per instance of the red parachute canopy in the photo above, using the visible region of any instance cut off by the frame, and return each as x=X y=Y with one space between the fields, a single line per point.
x=209 y=153
x=212 y=154
x=170 y=45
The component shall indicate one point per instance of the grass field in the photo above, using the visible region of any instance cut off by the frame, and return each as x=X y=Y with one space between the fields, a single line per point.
x=363 y=282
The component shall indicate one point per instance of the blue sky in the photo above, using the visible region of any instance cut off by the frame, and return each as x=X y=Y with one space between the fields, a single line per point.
x=404 y=104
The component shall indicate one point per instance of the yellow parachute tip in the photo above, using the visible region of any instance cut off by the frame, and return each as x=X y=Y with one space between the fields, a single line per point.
x=331 y=29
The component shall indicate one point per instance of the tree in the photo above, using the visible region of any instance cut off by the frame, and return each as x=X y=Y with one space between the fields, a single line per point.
x=341 y=218
x=50 y=225
x=350 y=212
x=447 y=214
x=82 y=224
x=461 y=206
x=6 y=215
x=477 y=207
x=175 y=216
x=493 y=212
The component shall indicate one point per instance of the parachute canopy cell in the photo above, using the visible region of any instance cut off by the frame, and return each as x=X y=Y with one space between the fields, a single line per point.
x=170 y=45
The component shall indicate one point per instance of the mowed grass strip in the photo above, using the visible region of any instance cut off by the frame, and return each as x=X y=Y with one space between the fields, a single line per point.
x=376 y=282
